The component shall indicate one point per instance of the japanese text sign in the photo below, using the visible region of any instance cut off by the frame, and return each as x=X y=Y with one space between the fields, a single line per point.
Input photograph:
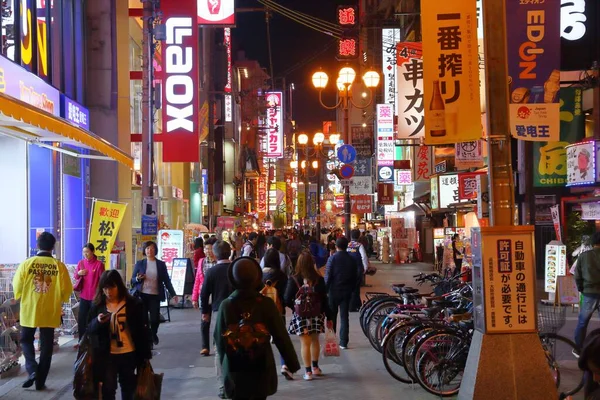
x=361 y=185
x=104 y=226
x=362 y=166
x=533 y=48
x=301 y=202
x=590 y=211
x=423 y=164
x=385 y=132
x=273 y=143
x=347 y=48
x=385 y=193
x=509 y=285
x=170 y=246
x=347 y=16
x=434 y=193
x=402 y=177
x=578 y=21
x=467 y=186
x=215 y=12
x=362 y=140
x=448 y=190
x=389 y=39
x=361 y=204
x=451 y=71
x=180 y=86
x=469 y=155
x=581 y=163
x=409 y=59
x=262 y=196
x=74 y=112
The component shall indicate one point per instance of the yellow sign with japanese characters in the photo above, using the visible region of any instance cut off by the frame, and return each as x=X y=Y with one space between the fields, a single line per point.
x=450 y=71
x=105 y=222
x=508 y=275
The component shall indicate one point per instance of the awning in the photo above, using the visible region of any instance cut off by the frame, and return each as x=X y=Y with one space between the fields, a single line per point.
x=23 y=121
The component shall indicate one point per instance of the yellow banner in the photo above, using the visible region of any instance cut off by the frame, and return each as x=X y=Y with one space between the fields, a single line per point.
x=450 y=71
x=106 y=220
x=301 y=203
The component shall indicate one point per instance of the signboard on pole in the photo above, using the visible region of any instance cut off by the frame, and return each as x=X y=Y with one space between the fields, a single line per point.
x=170 y=246
x=385 y=194
x=411 y=123
x=272 y=145
x=469 y=155
x=389 y=39
x=385 y=133
x=590 y=211
x=104 y=225
x=215 y=12
x=423 y=164
x=149 y=216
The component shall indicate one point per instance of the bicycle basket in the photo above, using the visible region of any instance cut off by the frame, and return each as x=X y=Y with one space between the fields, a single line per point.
x=551 y=318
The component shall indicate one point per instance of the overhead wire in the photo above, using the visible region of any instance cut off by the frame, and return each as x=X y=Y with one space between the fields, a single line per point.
x=307 y=17
x=307 y=60
x=268 y=18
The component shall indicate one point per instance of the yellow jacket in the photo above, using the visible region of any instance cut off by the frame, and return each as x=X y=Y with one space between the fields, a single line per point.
x=43 y=284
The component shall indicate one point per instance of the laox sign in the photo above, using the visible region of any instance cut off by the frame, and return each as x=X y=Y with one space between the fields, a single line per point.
x=179 y=63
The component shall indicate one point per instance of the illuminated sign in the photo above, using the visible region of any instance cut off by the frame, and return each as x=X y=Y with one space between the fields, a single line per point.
x=347 y=48
x=216 y=12
x=228 y=108
x=180 y=68
x=347 y=15
x=390 y=37
x=273 y=143
x=227 y=43
x=385 y=132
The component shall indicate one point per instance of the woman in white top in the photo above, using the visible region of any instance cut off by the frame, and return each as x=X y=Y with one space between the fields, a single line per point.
x=118 y=326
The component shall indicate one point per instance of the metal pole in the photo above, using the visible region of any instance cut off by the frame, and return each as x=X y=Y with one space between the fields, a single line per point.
x=319 y=170
x=146 y=155
x=347 y=209
x=306 y=183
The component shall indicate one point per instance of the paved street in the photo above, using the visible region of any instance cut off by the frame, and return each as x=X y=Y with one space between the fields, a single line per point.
x=358 y=374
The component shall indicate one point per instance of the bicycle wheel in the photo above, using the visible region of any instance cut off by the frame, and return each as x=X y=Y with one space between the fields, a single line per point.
x=366 y=308
x=439 y=362
x=563 y=364
x=364 y=322
x=390 y=350
x=409 y=346
x=375 y=319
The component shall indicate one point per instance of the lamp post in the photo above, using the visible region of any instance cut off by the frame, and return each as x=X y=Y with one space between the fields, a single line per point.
x=344 y=82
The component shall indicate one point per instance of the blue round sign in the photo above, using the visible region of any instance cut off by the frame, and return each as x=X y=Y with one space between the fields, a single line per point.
x=347 y=171
x=346 y=154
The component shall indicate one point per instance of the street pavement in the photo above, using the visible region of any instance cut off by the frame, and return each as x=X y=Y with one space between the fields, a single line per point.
x=357 y=374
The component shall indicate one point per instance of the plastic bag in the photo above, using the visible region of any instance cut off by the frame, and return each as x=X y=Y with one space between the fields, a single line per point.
x=84 y=386
x=331 y=348
x=149 y=384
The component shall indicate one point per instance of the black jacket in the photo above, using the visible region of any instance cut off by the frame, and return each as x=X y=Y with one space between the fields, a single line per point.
x=137 y=321
x=342 y=274
x=163 y=277
x=292 y=290
x=216 y=283
x=279 y=278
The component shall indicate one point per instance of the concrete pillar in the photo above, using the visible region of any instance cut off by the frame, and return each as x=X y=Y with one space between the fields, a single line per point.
x=108 y=100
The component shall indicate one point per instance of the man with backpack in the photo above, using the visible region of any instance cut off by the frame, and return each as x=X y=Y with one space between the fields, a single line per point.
x=273 y=242
x=358 y=251
x=341 y=278
x=249 y=248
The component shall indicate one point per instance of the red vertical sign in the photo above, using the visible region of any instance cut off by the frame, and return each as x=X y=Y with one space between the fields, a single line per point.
x=180 y=84
x=385 y=194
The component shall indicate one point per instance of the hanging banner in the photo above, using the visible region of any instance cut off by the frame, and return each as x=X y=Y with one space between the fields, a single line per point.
x=555 y=211
x=180 y=85
x=451 y=71
x=423 y=164
x=361 y=204
x=313 y=200
x=262 y=197
x=550 y=158
x=272 y=144
x=105 y=221
x=385 y=194
x=581 y=163
x=389 y=38
x=483 y=196
x=469 y=155
x=533 y=47
x=301 y=202
x=467 y=186
x=385 y=133
x=170 y=246
x=409 y=58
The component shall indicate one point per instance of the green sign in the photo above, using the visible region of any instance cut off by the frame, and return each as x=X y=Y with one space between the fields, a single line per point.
x=550 y=158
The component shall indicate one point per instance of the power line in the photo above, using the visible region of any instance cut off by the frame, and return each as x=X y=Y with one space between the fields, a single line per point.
x=305 y=17
x=307 y=60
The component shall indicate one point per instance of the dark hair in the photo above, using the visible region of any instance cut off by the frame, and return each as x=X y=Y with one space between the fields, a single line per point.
x=90 y=247
x=222 y=250
x=455 y=236
x=355 y=234
x=272 y=259
x=46 y=241
x=305 y=267
x=206 y=236
x=108 y=279
x=252 y=236
x=341 y=243
x=596 y=240
x=148 y=244
x=210 y=241
x=275 y=242
x=198 y=243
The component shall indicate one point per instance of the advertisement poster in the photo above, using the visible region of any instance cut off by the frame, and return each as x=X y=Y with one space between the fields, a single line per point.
x=550 y=158
x=451 y=71
x=590 y=211
x=389 y=39
x=409 y=58
x=467 y=186
x=178 y=275
x=469 y=155
x=508 y=275
x=423 y=164
x=385 y=133
x=556 y=265
x=170 y=246
x=105 y=221
x=533 y=47
x=149 y=216
x=448 y=190
x=581 y=163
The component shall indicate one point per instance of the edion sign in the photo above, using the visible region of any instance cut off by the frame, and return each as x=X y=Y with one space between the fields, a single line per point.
x=216 y=12
x=180 y=85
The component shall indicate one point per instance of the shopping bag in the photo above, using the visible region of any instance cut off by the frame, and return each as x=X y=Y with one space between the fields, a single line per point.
x=84 y=386
x=331 y=348
x=149 y=384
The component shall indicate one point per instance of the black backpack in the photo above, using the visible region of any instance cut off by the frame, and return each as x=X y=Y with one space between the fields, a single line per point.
x=247 y=342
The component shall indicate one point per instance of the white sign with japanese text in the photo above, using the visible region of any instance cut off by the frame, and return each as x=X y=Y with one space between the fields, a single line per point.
x=170 y=246
x=361 y=185
x=469 y=155
x=273 y=143
x=389 y=39
x=385 y=132
x=448 y=190
x=409 y=57
x=590 y=211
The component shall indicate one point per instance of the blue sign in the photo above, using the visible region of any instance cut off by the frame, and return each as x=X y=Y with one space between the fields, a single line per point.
x=346 y=154
x=149 y=225
x=74 y=112
x=362 y=166
x=347 y=171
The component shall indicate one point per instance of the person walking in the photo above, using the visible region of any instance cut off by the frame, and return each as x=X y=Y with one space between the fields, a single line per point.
x=150 y=278
x=198 y=250
x=204 y=264
x=341 y=279
x=294 y=248
x=118 y=325
x=42 y=284
x=358 y=251
x=246 y=314
x=249 y=248
x=308 y=329
x=587 y=279
x=273 y=277
x=273 y=242
x=88 y=271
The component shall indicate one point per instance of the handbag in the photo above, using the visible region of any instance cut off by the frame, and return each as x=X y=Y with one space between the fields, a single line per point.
x=149 y=384
x=331 y=347
x=78 y=286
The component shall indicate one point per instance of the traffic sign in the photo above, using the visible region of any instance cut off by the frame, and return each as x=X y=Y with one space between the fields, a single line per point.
x=346 y=153
x=346 y=182
x=347 y=171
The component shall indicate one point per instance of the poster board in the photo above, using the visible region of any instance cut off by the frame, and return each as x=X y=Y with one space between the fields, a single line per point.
x=180 y=276
x=567 y=292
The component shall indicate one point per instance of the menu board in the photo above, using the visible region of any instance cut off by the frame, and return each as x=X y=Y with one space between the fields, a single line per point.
x=556 y=264
x=567 y=290
x=178 y=276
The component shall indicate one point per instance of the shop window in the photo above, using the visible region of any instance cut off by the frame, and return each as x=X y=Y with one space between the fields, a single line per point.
x=135 y=96
x=74 y=205
x=135 y=44
x=42 y=196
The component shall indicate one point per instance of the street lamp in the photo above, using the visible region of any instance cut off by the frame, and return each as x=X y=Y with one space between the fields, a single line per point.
x=346 y=77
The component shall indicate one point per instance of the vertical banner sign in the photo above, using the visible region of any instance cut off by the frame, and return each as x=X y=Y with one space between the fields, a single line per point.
x=105 y=222
x=385 y=194
x=533 y=40
x=262 y=196
x=280 y=196
x=313 y=201
x=483 y=196
x=509 y=286
x=555 y=211
x=362 y=140
x=480 y=57
x=385 y=133
x=469 y=155
x=228 y=85
x=273 y=145
x=389 y=39
x=301 y=202
x=215 y=12
x=170 y=246
x=467 y=186
x=451 y=71
x=409 y=58
x=180 y=86
x=423 y=164
x=435 y=193
x=550 y=158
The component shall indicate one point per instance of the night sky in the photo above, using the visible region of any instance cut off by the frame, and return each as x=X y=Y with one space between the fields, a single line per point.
x=293 y=44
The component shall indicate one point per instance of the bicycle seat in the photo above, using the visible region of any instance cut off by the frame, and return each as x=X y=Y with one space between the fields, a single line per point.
x=411 y=296
x=409 y=290
x=456 y=311
x=398 y=285
x=470 y=324
x=443 y=303
x=431 y=312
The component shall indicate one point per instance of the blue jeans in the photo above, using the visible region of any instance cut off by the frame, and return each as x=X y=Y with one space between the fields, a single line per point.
x=341 y=301
x=590 y=303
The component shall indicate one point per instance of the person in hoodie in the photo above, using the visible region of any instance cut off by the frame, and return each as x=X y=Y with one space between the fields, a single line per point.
x=89 y=271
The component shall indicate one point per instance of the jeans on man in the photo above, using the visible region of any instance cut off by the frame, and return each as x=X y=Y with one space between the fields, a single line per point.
x=42 y=368
x=121 y=367
x=590 y=303
x=341 y=301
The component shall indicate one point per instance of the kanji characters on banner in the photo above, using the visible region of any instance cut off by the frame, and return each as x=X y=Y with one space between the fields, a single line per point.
x=423 y=164
x=105 y=222
x=409 y=59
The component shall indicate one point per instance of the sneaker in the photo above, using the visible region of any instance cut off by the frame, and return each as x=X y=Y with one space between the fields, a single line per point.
x=308 y=376
x=286 y=373
x=155 y=340
x=575 y=353
x=343 y=347
x=204 y=352
x=316 y=371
